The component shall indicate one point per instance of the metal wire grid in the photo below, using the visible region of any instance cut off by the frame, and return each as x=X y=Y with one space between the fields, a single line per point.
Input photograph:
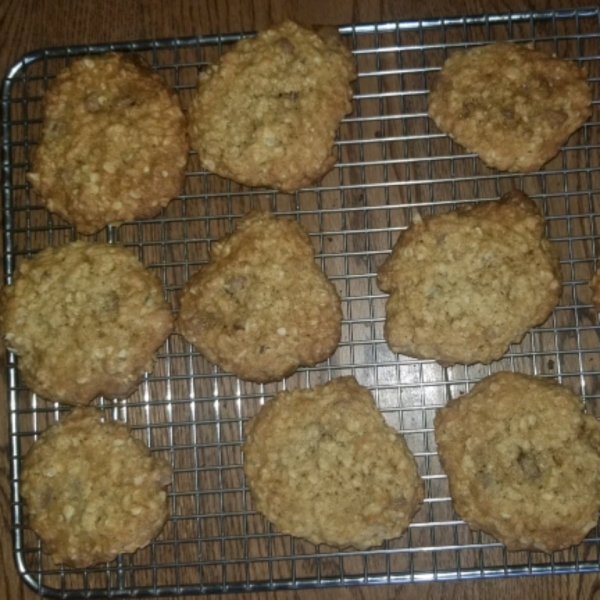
x=392 y=160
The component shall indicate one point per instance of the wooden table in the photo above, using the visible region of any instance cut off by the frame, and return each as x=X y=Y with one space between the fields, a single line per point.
x=29 y=24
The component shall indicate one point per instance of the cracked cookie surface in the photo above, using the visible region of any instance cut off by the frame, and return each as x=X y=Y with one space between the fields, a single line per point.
x=512 y=105
x=466 y=284
x=266 y=114
x=261 y=307
x=322 y=464
x=113 y=145
x=522 y=460
x=84 y=319
x=93 y=491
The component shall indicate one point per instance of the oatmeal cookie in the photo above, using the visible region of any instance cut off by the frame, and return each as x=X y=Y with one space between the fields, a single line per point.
x=322 y=464
x=523 y=461
x=261 y=307
x=512 y=105
x=465 y=285
x=267 y=113
x=93 y=491
x=113 y=145
x=85 y=319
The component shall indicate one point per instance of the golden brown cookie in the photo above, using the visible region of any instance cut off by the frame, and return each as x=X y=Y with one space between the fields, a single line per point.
x=84 y=319
x=523 y=461
x=322 y=464
x=261 y=307
x=465 y=285
x=267 y=113
x=512 y=105
x=93 y=491
x=113 y=145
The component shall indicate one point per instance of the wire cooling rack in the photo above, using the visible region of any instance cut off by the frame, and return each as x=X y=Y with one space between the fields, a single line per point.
x=392 y=160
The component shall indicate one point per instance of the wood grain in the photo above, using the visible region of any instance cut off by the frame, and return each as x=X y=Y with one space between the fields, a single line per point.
x=29 y=24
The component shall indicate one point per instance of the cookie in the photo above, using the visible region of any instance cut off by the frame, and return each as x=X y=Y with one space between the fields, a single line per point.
x=523 y=461
x=595 y=287
x=113 y=145
x=322 y=464
x=84 y=319
x=512 y=105
x=266 y=114
x=261 y=307
x=465 y=285
x=93 y=491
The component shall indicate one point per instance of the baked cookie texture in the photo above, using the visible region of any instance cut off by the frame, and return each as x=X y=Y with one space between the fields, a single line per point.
x=266 y=114
x=261 y=307
x=113 y=145
x=512 y=105
x=93 y=491
x=85 y=319
x=465 y=285
x=523 y=461
x=322 y=464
